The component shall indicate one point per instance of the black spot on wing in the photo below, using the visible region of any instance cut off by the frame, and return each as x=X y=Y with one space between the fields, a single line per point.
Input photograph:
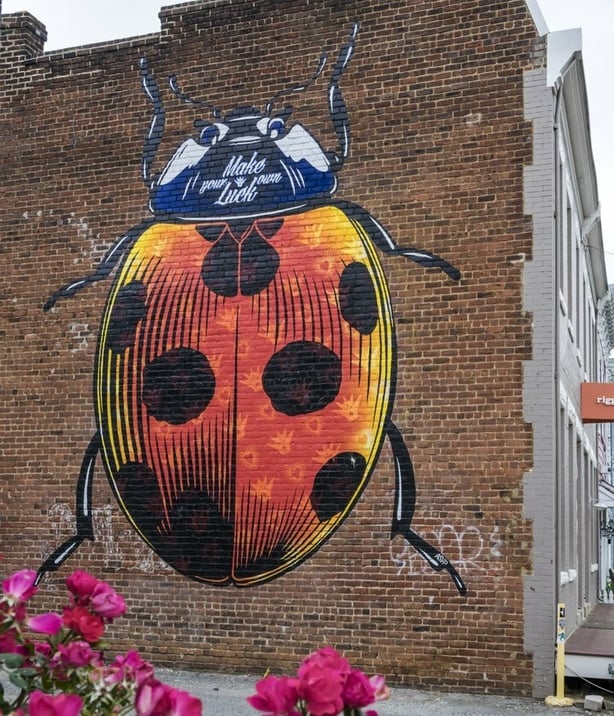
x=138 y=487
x=211 y=232
x=200 y=541
x=128 y=310
x=336 y=483
x=220 y=270
x=264 y=564
x=357 y=298
x=269 y=228
x=178 y=385
x=302 y=377
x=238 y=227
x=259 y=264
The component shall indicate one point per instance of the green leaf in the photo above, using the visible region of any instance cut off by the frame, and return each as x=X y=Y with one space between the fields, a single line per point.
x=11 y=661
x=17 y=680
x=28 y=671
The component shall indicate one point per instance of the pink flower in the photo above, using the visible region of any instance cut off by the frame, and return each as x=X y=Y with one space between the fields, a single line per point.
x=82 y=621
x=275 y=697
x=44 y=649
x=81 y=584
x=382 y=692
x=129 y=668
x=20 y=586
x=153 y=698
x=106 y=602
x=328 y=658
x=77 y=653
x=8 y=643
x=358 y=691
x=48 y=623
x=184 y=704
x=321 y=679
x=41 y=704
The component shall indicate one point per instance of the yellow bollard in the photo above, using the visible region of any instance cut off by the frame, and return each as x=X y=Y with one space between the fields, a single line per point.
x=560 y=699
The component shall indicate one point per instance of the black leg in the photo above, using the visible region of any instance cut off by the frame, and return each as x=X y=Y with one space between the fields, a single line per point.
x=384 y=242
x=404 y=504
x=336 y=103
x=108 y=263
x=85 y=528
x=156 y=127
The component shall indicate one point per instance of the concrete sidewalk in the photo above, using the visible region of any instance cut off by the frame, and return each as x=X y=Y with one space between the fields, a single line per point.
x=224 y=695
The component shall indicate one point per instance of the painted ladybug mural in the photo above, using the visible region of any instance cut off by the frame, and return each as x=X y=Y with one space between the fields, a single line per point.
x=245 y=368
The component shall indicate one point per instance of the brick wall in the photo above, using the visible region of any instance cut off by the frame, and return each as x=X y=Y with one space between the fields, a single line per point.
x=439 y=144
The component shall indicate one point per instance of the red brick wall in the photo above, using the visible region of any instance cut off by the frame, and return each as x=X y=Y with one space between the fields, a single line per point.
x=434 y=94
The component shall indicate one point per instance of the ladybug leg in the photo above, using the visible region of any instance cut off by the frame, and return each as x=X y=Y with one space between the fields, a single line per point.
x=105 y=267
x=384 y=242
x=85 y=529
x=336 y=104
x=156 y=127
x=405 y=502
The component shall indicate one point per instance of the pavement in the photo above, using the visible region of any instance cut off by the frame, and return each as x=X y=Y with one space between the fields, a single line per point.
x=225 y=694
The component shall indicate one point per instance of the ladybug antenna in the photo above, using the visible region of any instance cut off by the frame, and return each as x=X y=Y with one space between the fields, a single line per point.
x=156 y=127
x=298 y=88
x=172 y=83
x=336 y=103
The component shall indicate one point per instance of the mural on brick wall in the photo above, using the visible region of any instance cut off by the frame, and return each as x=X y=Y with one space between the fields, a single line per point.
x=245 y=368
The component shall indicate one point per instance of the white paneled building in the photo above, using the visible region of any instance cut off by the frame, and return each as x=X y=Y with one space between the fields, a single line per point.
x=566 y=292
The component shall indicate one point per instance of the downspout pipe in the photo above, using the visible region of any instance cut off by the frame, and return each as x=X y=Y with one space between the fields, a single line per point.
x=558 y=227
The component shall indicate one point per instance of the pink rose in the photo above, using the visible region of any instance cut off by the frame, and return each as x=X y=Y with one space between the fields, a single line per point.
x=382 y=692
x=82 y=621
x=358 y=691
x=106 y=602
x=8 y=643
x=20 y=586
x=321 y=679
x=328 y=658
x=81 y=584
x=77 y=653
x=321 y=689
x=44 y=649
x=41 y=704
x=48 y=623
x=129 y=668
x=275 y=697
x=153 y=698
x=184 y=704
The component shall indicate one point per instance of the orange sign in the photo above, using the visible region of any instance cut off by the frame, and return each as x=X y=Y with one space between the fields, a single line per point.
x=597 y=402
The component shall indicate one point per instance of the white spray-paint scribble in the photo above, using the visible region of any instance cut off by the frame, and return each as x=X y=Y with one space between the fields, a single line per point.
x=120 y=547
x=468 y=548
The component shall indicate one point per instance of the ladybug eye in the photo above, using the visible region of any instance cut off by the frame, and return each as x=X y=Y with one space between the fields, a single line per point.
x=210 y=134
x=276 y=127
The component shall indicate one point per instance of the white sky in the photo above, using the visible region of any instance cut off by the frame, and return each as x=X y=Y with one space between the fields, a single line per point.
x=79 y=22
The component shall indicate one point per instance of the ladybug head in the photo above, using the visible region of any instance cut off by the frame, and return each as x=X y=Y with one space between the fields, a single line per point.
x=247 y=162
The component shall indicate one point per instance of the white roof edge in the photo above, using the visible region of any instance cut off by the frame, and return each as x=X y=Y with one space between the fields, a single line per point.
x=564 y=60
x=538 y=18
x=562 y=46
